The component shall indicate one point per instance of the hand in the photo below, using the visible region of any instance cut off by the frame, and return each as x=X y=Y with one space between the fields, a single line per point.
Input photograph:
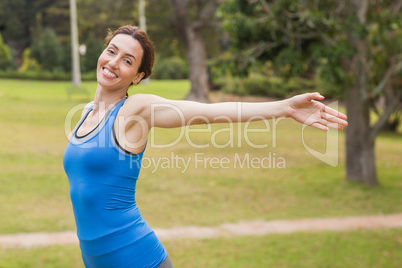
x=306 y=110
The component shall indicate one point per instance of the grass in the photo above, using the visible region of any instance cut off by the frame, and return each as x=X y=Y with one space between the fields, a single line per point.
x=351 y=249
x=366 y=249
x=34 y=196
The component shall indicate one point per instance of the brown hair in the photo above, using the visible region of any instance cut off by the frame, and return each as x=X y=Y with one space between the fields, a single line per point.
x=148 y=58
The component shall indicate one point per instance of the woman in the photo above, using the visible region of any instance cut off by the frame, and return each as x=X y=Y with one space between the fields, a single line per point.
x=103 y=157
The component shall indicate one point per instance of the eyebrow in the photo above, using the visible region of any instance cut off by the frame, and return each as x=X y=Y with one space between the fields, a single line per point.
x=125 y=54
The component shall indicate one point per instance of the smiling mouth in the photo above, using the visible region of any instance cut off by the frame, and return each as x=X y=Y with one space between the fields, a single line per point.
x=109 y=73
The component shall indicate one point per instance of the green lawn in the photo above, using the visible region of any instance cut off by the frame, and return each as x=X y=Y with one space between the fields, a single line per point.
x=34 y=196
x=365 y=249
x=352 y=249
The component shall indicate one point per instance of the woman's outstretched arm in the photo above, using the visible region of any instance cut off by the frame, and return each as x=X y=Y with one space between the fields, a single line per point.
x=305 y=108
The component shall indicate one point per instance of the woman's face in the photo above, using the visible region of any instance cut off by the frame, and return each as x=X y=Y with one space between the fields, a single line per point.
x=119 y=62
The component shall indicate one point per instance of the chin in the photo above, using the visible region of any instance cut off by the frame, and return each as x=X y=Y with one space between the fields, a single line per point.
x=102 y=80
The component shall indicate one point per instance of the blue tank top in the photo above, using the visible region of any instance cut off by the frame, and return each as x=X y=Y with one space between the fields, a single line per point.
x=102 y=179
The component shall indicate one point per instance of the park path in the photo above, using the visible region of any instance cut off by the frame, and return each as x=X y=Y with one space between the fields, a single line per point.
x=254 y=227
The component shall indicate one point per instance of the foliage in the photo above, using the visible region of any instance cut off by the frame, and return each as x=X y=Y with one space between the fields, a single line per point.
x=28 y=63
x=51 y=51
x=48 y=51
x=5 y=55
x=93 y=49
x=274 y=87
x=162 y=30
x=16 y=17
x=170 y=68
x=67 y=60
x=97 y=16
x=35 y=49
x=261 y=32
x=22 y=23
x=45 y=75
x=307 y=38
x=325 y=86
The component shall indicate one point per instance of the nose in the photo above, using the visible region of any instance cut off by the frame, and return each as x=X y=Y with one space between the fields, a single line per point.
x=114 y=63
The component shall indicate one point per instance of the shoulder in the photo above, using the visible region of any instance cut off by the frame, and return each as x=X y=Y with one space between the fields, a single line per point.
x=140 y=102
x=86 y=108
x=142 y=98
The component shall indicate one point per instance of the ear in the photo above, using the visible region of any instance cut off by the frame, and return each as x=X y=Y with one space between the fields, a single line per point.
x=138 y=78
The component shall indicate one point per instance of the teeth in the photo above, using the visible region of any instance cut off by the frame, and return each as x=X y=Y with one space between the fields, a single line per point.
x=109 y=72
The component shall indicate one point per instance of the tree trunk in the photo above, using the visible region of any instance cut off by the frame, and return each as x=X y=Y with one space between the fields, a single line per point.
x=196 y=60
x=196 y=53
x=360 y=146
x=76 y=73
x=360 y=137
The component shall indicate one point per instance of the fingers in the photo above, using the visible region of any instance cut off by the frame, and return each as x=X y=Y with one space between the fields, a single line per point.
x=334 y=112
x=324 y=124
x=335 y=126
x=327 y=109
x=334 y=119
x=326 y=117
x=320 y=126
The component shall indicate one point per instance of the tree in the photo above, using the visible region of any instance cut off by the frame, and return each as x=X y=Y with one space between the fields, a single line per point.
x=192 y=17
x=98 y=16
x=17 y=18
x=355 y=45
x=161 y=29
x=22 y=22
x=360 y=142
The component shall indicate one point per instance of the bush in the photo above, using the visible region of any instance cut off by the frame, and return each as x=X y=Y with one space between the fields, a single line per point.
x=36 y=75
x=67 y=61
x=170 y=68
x=48 y=51
x=234 y=86
x=52 y=51
x=262 y=86
x=5 y=55
x=46 y=75
x=28 y=63
x=88 y=76
x=274 y=87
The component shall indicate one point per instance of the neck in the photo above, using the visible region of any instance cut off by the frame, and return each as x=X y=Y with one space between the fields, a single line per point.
x=104 y=99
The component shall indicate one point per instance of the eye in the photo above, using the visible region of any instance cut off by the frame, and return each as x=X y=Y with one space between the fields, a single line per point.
x=127 y=61
x=110 y=51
